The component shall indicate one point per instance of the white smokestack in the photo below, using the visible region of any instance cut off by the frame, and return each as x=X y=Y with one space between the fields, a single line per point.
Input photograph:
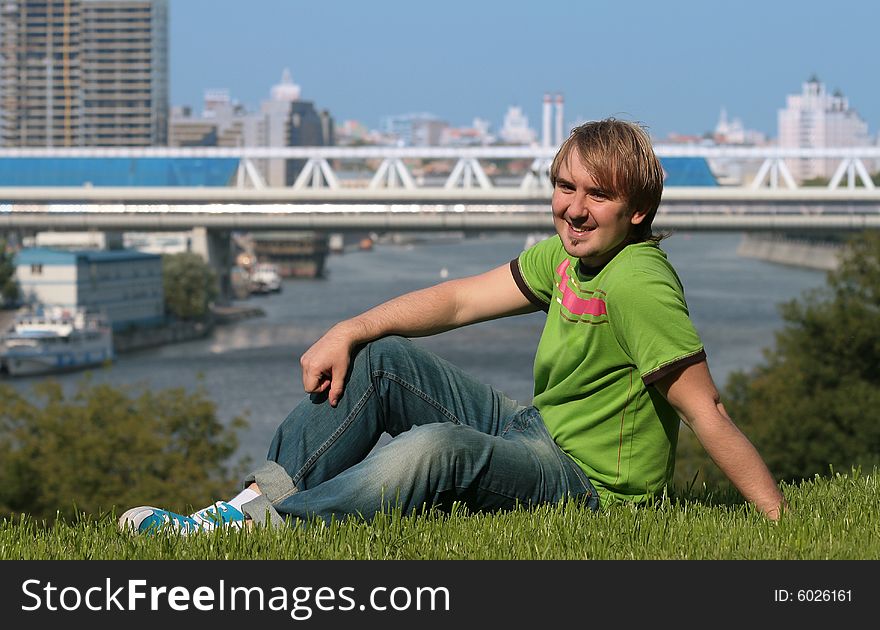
x=545 y=130
x=559 y=106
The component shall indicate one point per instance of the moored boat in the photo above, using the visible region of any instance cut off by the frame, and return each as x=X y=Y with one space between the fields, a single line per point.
x=53 y=339
x=265 y=278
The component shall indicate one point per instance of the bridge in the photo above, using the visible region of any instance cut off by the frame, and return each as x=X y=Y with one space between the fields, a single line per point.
x=378 y=188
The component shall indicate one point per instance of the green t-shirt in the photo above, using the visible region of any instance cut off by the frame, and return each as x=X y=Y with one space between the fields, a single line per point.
x=609 y=334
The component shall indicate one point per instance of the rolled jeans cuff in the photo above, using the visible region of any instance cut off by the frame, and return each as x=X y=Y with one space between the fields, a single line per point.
x=261 y=512
x=275 y=485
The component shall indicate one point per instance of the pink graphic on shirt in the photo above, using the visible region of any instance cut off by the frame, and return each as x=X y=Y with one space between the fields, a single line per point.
x=577 y=305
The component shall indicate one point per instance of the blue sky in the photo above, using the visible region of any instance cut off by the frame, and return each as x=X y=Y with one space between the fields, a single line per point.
x=671 y=65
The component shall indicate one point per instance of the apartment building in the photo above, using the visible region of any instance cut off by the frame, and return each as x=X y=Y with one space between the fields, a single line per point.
x=816 y=118
x=83 y=73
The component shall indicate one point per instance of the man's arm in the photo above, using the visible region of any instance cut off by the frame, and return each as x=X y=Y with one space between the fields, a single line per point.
x=692 y=392
x=425 y=312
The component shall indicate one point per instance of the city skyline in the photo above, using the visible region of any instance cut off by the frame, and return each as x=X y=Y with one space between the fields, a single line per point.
x=367 y=61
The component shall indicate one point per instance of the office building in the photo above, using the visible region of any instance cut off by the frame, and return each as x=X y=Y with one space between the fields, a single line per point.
x=284 y=120
x=83 y=73
x=124 y=285
x=816 y=119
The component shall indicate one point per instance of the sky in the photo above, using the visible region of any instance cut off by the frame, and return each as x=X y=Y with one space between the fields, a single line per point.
x=670 y=65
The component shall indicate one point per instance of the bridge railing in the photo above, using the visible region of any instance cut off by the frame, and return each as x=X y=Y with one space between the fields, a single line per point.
x=466 y=167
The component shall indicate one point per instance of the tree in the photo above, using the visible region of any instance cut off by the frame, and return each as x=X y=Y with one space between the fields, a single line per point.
x=106 y=446
x=819 y=181
x=190 y=285
x=9 y=292
x=814 y=403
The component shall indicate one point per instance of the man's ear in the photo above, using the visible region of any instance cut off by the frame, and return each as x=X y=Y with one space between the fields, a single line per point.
x=638 y=216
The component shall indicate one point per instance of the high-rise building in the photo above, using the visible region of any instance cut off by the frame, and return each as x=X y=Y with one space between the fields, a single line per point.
x=284 y=120
x=287 y=121
x=816 y=119
x=40 y=73
x=83 y=73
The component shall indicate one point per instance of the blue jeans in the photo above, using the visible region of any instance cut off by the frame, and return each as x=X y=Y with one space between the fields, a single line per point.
x=454 y=439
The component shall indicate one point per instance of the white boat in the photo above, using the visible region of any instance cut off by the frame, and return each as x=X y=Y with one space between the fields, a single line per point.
x=336 y=243
x=265 y=278
x=53 y=339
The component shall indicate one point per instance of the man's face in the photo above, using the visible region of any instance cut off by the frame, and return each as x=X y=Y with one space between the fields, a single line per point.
x=593 y=226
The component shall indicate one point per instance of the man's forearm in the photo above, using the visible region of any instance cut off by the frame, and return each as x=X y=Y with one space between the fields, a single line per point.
x=694 y=396
x=441 y=307
x=740 y=462
x=325 y=363
x=420 y=313
x=425 y=312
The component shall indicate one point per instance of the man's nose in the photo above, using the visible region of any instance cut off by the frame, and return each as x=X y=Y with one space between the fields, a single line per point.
x=577 y=209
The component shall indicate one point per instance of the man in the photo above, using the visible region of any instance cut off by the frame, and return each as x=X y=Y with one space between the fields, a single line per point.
x=619 y=365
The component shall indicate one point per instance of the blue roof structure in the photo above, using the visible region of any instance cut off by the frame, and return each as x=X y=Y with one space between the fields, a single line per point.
x=25 y=171
x=687 y=171
x=28 y=171
x=49 y=256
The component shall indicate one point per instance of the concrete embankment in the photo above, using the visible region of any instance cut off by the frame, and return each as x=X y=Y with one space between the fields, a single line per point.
x=229 y=314
x=176 y=332
x=790 y=251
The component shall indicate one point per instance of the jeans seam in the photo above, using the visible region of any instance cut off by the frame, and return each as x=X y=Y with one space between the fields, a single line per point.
x=418 y=392
x=509 y=426
x=565 y=461
x=328 y=442
x=578 y=472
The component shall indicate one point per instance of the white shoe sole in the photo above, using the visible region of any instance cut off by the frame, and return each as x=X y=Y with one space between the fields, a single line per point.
x=126 y=521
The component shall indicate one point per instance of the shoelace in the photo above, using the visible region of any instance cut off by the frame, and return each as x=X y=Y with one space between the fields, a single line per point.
x=180 y=522
x=214 y=516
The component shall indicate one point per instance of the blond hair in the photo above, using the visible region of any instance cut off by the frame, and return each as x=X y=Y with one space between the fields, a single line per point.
x=619 y=156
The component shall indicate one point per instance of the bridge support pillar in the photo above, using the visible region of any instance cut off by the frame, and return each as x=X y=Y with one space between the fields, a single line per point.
x=215 y=246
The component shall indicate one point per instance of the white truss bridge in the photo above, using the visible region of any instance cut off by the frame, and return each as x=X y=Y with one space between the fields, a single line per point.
x=388 y=195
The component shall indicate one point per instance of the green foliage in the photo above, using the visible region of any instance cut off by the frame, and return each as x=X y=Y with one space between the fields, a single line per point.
x=106 y=446
x=836 y=518
x=9 y=291
x=815 y=401
x=190 y=285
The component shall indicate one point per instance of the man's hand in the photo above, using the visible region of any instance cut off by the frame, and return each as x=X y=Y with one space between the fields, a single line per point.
x=325 y=364
x=424 y=312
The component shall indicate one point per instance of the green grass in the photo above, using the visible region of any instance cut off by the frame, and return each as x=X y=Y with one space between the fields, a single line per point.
x=831 y=518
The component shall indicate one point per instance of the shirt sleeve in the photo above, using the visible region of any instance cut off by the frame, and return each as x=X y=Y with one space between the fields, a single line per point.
x=650 y=319
x=534 y=271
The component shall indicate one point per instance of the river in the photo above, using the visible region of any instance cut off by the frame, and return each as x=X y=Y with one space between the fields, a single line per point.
x=252 y=367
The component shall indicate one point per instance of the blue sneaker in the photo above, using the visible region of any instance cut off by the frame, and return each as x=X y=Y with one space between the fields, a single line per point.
x=150 y=520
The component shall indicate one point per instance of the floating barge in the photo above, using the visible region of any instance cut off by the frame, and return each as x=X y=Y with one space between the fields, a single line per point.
x=294 y=254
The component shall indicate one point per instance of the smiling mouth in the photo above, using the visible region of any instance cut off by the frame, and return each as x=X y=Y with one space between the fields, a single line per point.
x=580 y=230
